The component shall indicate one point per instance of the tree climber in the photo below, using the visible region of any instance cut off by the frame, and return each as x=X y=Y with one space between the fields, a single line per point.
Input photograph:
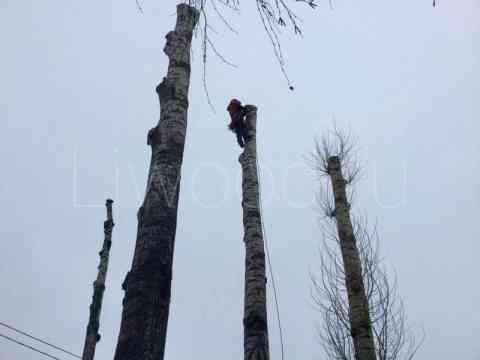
x=237 y=123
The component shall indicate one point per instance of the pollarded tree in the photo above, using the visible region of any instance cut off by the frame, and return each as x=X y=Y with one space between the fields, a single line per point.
x=362 y=313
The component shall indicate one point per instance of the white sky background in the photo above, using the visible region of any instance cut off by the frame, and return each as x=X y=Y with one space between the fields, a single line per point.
x=78 y=80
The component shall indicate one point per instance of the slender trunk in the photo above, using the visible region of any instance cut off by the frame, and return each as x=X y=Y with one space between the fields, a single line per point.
x=93 y=336
x=255 y=308
x=148 y=284
x=360 y=322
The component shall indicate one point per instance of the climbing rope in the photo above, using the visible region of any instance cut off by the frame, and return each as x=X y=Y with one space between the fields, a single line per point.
x=270 y=267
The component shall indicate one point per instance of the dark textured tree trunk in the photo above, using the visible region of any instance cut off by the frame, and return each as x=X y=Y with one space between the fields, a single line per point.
x=360 y=322
x=255 y=308
x=93 y=336
x=148 y=284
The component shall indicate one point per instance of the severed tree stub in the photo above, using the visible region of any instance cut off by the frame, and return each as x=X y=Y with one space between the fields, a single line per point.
x=92 y=336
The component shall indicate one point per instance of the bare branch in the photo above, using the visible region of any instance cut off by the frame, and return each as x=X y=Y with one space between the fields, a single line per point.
x=339 y=143
x=274 y=14
x=139 y=6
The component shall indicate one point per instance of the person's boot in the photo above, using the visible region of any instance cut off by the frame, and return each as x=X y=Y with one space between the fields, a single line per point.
x=240 y=140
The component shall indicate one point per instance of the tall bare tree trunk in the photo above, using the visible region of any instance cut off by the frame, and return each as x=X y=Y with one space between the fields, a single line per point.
x=93 y=336
x=360 y=322
x=255 y=308
x=148 y=284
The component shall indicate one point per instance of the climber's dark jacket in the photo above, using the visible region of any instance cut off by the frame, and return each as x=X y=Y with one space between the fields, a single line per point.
x=237 y=123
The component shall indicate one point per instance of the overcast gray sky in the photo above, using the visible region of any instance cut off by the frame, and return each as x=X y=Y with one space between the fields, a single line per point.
x=77 y=99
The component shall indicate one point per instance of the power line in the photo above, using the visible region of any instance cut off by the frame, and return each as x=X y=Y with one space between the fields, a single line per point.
x=39 y=340
x=29 y=347
x=270 y=267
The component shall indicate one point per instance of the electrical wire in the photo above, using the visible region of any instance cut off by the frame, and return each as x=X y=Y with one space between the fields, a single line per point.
x=39 y=340
x=270 y=267
x=28 y=347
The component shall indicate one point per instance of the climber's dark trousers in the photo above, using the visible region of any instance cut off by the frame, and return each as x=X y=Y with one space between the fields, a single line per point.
x=242 y=136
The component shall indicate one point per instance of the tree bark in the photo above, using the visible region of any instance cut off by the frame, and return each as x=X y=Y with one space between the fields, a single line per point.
x=255 y=310
x=359 y=314
x=148 y=284
x=92 y=336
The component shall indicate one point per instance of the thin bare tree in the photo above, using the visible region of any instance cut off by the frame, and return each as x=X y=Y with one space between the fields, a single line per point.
x=362 y=314
x=92 y=336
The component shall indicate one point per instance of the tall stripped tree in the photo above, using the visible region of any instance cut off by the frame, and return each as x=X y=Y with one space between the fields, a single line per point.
x=148 y=284
x=92 y=336
x=362 y=314
x=255 y=308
